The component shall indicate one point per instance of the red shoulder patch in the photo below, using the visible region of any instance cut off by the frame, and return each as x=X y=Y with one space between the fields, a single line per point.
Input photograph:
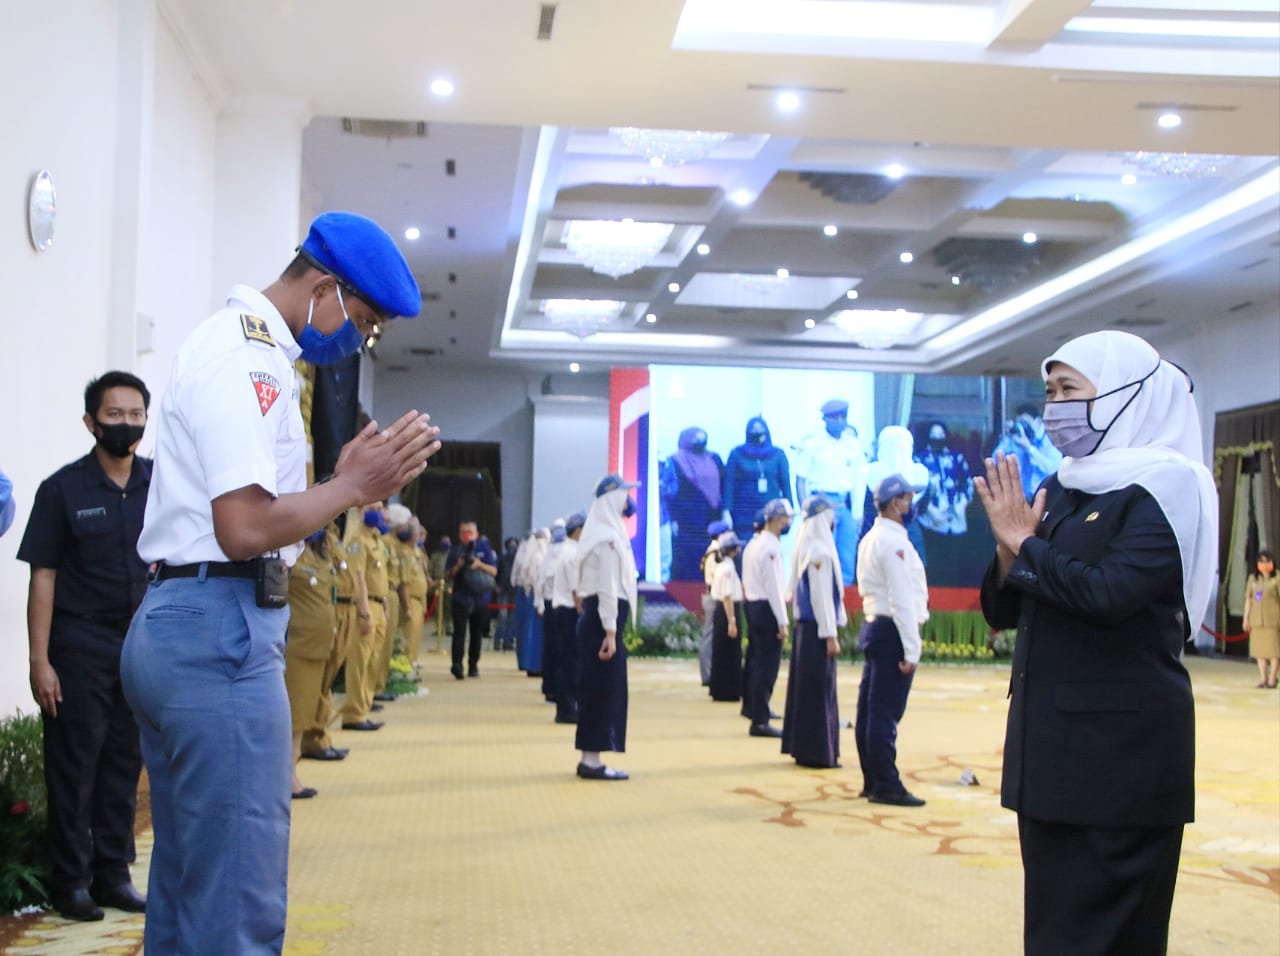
x=902 y=555
x=266 y=388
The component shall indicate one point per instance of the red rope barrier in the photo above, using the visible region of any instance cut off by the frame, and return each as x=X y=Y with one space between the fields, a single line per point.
x=1227 y=638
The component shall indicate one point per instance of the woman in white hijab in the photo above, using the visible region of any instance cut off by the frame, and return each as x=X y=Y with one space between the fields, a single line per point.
x=1104 y=574
x=607 y=583
x=811 y=721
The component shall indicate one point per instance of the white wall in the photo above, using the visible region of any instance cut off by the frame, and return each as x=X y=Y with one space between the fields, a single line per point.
x=134 y=197
x=570 y=454
x=1233 y=361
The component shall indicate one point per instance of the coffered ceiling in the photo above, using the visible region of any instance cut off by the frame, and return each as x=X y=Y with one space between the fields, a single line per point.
x=958 y=186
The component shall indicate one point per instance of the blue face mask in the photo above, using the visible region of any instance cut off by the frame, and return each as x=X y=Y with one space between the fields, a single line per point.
x=372 y=518
x=403 y=535
x=910 y=514
x=320 y=349
x=315 y=537
x=630 y=508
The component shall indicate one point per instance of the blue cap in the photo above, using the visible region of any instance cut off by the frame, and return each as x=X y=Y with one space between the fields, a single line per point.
x=835 y=406
x=359 y=252
x=575 y=521
x=776 y=509
x=728 y=541
x=612 y=483
x=558 y=531
x=759 y=521
x=891 y=487
x=816 y=504
x=717 y=528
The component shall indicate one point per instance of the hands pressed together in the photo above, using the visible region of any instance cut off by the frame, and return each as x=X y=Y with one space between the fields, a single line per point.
x=1012 y=519
x=380 y=463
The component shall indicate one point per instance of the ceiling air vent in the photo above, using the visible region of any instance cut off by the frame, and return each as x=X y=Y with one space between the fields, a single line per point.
x=546 y=20
x=1239 y=306
x=423 y=352
x=1139 y=322
x=1255 y=264
x=384 y=129
x=397 y=368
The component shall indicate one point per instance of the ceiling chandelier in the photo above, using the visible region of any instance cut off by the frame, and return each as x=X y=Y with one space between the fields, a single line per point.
x=615 y=248
x=877 y=328
x=668 y=147
x=1179 y=165
x=581 y=317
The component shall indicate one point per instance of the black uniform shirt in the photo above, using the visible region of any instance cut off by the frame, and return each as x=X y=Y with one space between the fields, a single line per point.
x=85 y=527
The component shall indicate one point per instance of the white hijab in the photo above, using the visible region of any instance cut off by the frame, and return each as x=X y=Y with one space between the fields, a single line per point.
x=604 y=525
x=814 y=542
x=1153 y=440
x=895 y=450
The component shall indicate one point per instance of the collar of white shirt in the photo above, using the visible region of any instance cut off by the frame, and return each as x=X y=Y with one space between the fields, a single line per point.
x=258 y=304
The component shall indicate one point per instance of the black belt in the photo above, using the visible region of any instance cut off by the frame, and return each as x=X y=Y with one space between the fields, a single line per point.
x=211 y=569
x=343 y=600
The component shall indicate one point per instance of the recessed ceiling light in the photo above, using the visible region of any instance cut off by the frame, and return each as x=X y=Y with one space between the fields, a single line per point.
x=1030 y=238
x=788 y=101
x=1169 y=121
x=784 y=273
x=442 y=87
x=851 y=294
x=895 y=171
x=703 y=249
x=830 y=230
x=1128 y=179
x=673 y=287
x=741 y=197
x=810 y=323
x=906 y=258
x=651 y=318
x=412 y=233
x=575 y=367
x=955 y=280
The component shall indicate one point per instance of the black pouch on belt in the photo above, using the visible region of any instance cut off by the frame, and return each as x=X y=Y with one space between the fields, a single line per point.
x=273 y=582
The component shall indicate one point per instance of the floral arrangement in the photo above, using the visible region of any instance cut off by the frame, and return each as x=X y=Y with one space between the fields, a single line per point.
x=24 y=867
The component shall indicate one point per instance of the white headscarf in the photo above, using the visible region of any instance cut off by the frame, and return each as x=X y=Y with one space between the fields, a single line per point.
x=604 y=525
x=894 y=456
x=815 y=542
x=1153 y=440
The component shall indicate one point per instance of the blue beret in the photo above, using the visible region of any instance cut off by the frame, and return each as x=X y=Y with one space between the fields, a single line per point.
x=717 y=528
x=836 y=406
x=612 y=483
x=360 y=253
x=575 y=521
x=891 y=487
x=815 y=505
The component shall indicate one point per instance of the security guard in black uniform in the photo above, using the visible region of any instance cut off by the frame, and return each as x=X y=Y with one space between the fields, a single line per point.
x=86 y=580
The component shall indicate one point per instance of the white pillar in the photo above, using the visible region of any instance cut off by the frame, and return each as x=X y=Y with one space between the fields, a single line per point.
x=258 y=193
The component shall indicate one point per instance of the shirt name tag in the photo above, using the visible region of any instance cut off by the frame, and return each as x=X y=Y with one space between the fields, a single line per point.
x=91 y=513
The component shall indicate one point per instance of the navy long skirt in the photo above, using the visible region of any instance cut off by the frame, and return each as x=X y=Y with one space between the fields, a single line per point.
x=602 y=685
x=726 y=659
x=811 y=723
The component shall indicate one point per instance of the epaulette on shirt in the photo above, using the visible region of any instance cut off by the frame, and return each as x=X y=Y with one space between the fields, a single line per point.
x=255 y=329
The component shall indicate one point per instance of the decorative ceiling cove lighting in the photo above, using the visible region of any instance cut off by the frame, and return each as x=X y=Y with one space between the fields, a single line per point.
x=1179 y=165
x=413 y=233
x=615 y=248
x=1169 y=121
x=668 y=147
x=581 y=317
x=704 y=249
x=875 y=328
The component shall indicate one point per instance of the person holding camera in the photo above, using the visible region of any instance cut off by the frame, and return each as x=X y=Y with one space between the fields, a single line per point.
x=472 y=567
x=1025 y=439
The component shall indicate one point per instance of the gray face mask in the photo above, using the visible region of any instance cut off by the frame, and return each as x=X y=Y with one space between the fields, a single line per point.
x=1067 y=424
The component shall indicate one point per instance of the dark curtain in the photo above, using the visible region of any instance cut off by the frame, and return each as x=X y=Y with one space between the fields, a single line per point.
x=334 y=411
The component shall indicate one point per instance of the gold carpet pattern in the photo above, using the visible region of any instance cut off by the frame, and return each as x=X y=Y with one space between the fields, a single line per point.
x=460 y=829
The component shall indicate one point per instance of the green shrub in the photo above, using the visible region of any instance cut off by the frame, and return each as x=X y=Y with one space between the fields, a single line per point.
x=24 y=871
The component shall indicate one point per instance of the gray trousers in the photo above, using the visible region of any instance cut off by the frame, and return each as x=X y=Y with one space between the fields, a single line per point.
x=708 y=624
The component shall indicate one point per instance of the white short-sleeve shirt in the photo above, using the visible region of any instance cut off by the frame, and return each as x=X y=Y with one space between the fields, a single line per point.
x=228 y=419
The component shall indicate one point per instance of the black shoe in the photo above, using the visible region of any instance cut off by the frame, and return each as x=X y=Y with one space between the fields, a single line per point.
x=375 y=708
x=122 y=896
x=773 y=716
x=329 y=753
x=77 y=905
x=903 y=799
x=384 y=696
x=363 y=725
x=810 y=765
x=474 y=671
x=306 y=793
x=764 y=730
x=566 y=718
x=457 y=672
x=601 y=773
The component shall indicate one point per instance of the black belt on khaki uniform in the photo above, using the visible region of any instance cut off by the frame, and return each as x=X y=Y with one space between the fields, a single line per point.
x=211 y=569
x=342 y=600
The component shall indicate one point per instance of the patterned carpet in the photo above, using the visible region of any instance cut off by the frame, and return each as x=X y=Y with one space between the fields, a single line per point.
x=459 y=828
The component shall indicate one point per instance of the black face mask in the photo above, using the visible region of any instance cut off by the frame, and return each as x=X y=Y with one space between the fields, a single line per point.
x=116 y=440
x=757 y=438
